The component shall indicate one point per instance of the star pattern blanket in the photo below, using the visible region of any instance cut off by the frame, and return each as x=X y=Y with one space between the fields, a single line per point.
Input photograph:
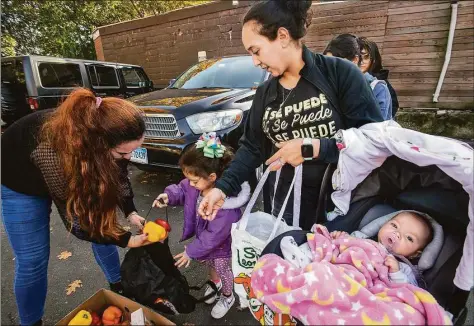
x=346 y=284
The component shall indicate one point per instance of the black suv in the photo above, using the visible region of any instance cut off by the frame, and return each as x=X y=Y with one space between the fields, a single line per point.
x=213 y=95
x=31 y=83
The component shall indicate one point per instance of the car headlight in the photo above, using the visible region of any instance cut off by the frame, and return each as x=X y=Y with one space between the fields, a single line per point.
x=214 y=121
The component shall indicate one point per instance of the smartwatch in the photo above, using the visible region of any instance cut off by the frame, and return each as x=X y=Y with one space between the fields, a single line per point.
x=307 y=149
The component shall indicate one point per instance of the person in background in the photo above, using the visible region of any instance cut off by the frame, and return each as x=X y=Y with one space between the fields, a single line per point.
x=346 y=46
x=371 y=62
x=75 y=156
x=296 y=114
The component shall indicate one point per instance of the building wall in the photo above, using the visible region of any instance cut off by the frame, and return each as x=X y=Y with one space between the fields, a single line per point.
x=412 y=36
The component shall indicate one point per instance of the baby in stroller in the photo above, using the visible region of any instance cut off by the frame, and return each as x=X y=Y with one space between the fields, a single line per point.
x=404 y=236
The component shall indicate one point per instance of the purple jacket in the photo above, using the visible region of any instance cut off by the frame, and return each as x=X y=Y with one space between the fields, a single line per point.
x=212 y=237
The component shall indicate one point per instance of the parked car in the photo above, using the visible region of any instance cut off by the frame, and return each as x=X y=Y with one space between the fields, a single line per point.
x=31 y=83
x=213 y=95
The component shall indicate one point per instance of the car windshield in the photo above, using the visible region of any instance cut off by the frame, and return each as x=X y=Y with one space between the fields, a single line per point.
x=235 y=72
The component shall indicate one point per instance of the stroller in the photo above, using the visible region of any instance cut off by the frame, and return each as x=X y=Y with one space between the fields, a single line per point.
x=405 y=170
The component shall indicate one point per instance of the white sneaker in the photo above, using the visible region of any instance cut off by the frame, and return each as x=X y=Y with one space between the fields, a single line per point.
x=222 y=306
x=209 y=290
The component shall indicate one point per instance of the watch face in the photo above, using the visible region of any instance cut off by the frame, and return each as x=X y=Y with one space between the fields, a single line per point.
x=307 y=151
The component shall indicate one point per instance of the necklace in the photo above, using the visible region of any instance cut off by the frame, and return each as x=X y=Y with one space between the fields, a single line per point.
x=283 y=93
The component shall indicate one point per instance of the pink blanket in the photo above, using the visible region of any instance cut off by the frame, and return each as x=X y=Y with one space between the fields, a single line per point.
x=347 y=283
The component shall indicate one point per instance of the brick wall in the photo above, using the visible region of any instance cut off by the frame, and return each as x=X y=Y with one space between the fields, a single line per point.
x=412 y=36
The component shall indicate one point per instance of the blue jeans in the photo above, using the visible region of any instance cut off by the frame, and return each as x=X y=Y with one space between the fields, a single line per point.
x=26 y=220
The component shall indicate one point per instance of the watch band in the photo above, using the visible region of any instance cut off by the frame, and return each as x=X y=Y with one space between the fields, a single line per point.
x=308 y=142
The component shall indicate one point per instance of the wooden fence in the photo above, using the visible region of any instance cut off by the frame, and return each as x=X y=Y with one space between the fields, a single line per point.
x=412 y=37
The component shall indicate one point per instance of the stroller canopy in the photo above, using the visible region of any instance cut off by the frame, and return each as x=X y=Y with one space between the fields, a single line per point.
x=449 y=163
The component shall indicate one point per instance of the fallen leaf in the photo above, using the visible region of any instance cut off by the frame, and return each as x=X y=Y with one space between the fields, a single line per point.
x=126 y=228
x=73 y=286
x=64 y=255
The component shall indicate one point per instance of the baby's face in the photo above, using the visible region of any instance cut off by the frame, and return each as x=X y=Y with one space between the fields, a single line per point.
x=404 y=234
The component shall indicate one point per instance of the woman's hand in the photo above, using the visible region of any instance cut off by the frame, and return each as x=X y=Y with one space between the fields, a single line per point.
x=290 y=152
x=138 y=241
x=211 y=204
x=161 y=201
x=182 y=259
x=136 y=220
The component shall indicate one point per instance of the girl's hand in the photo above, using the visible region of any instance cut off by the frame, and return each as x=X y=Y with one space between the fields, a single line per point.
x=138 y=241
x=136 y=220
x=161 y=201
x=211 y=204
x=392 y=264
x=290 y=152
x=182 y=259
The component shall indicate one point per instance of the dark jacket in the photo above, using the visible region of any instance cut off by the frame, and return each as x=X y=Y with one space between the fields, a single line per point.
x=212 y=238
x=344 y=86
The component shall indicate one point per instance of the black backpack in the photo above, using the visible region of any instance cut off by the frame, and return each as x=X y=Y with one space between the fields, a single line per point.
x=150 y=277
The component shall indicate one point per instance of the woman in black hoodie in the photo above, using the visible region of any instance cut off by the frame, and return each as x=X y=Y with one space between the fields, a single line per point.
x=371 y=62
x=295 y=114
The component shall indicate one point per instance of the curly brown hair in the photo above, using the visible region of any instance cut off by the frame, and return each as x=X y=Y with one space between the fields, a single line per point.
x=82 y=134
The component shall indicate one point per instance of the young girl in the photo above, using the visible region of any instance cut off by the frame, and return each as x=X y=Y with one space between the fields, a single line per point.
x=202 y=165
x=371 y=62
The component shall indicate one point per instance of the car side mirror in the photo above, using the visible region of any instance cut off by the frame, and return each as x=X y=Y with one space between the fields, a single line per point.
x=172 y=81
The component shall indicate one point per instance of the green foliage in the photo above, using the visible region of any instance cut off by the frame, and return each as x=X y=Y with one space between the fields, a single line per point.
x=64 y=27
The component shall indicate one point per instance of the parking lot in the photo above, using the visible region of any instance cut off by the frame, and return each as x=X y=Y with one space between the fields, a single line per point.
x=82 y=266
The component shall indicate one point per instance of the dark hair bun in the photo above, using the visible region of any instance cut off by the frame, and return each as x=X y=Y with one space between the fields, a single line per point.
x=298 y=8
x=294 y=15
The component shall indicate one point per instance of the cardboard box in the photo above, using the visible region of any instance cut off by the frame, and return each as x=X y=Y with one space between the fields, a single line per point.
x=104 y=298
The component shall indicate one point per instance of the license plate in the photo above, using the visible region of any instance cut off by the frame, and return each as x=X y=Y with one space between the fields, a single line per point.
x=140 y=155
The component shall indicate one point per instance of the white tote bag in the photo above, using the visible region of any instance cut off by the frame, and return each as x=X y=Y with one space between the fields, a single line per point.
x=250 y=236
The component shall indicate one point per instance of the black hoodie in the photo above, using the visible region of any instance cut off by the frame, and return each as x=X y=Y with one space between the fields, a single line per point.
x=345 y=88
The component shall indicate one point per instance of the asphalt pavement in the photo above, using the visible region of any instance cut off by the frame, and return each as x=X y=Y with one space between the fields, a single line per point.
x=82 y=266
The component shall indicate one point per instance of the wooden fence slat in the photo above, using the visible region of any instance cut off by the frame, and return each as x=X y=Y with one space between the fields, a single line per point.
x=428 y=42
x=354 y=16
x=419 y=15
x=312 y=37
x=469 y=81
x=463 y=88
x=429 y=99
x=413 y=55
x=417 y=29
x=378 y=28
x=419 y=22
x=322 y=7
x=407 y=74
x=349 y=10
x=433 y=68
x=405 y=3
x=350 y=23
x=428 y=48
x=413 y=9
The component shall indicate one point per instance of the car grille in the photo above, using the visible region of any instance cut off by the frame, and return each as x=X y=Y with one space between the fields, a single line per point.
x=161 y=126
